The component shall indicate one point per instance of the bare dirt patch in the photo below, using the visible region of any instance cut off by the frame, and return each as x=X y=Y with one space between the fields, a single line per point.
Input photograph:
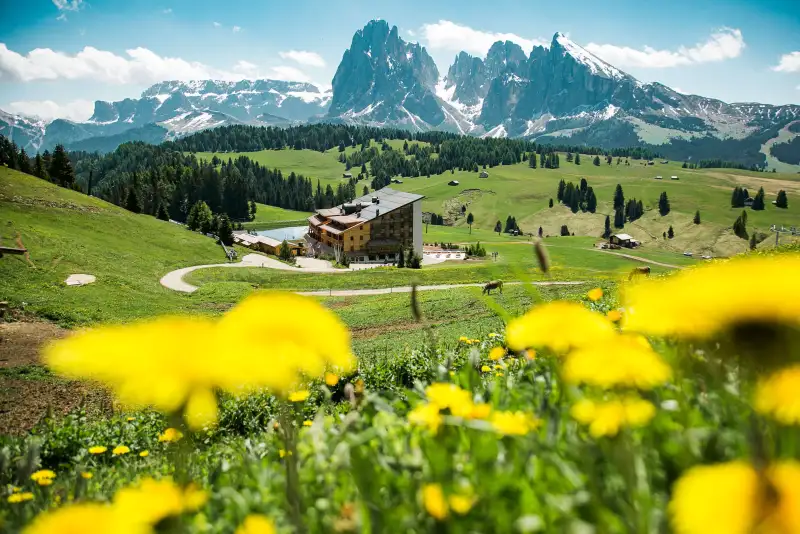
x=21 y=343
x=27 y=391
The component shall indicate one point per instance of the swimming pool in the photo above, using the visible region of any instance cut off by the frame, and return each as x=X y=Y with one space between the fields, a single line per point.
x=289 y=233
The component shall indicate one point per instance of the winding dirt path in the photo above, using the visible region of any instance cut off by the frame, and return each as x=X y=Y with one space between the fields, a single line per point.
x=639 y=258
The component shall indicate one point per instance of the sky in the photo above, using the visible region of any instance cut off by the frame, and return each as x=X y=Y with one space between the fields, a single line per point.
x=58 y=56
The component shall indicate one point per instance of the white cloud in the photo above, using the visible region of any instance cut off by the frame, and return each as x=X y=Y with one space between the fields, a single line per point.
x=237 y=29
x=77 y=110
x=447 y=35
x=287 y=73
x=312 y=59
x=62 y=16
x=141 y=66
x=411 y=33
x=167 y=11
x=68 y=5
x=725 y=43
x=217 y=24
x=789 y=63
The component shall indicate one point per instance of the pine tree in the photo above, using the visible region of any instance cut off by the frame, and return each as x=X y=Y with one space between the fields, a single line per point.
x=38 y=167
x=561 y=187
x=225 y=230
x=569 y=157
x=737 y=198
x=753 y=243
x=532 y=161
x=574 y=200
x=758 y=200
x=401 y=260
x=619 y=198
x=61 y=171
x=162 y=212
x=670 y=232
x=564 y=230
x=498 y=227
x=199 y=217
x=781 y=201
x=596 y=161
x=24 y=162
x=607 y=228
x=541 y=232
x=132 y=200
x=696 y=219
x=551 y=202
x=577 y=159
x=663 y=204
x=740 y=226
x=591 y=200
x=619 y=218
x=509 y=226
x=470 y=220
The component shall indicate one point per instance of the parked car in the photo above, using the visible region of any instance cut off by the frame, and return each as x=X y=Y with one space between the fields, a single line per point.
x=687 y=253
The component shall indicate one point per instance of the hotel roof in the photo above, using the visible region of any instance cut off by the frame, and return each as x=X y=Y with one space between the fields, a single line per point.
x=388 y=200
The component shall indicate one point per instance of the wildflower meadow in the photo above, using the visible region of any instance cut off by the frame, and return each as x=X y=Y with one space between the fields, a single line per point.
x=666 y=405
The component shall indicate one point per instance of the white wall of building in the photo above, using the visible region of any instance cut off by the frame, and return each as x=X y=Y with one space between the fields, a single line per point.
x=417 y=214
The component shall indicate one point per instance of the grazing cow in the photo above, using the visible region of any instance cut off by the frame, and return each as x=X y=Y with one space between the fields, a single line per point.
x=638 y=271
x=494 y=284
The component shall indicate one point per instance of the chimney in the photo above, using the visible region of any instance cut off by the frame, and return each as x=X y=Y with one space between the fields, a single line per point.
x=375 y=200
x=377 y=212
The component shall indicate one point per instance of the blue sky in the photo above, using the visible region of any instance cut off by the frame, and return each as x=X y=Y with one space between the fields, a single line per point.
x=58 y=56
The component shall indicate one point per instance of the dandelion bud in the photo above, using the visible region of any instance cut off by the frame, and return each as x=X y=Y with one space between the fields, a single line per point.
x=542 y=256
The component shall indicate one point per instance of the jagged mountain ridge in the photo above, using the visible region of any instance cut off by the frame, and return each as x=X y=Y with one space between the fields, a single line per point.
x=561 y=90
x=179 y=108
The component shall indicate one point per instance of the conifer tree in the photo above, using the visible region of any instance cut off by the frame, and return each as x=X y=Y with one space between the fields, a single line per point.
x=551 y=202
x=498 y=227
x=753 y=243
x=38 y=167
x=596 y=161
x=401 y=259
x=470 y=220
x=225 y=230
x=670 y=232
x=132 y=200
x=61 y=171
x=758 y=200
x=591 y=200
x=577 y=159
x=619 y=198
x=696 y=219
x=607 y=228
x=541 y=232
x=782 y=201
x=619 y=218
x=663 y=204
x=740 y=226
x=561 y=187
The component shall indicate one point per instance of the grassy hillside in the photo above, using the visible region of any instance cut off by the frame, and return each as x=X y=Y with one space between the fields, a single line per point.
x=68 y=232
x=524 y=193
x=273 y=217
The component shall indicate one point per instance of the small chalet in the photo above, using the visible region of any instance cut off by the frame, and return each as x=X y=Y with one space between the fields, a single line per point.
x=452 y=182
x=673 y=177
x=658 y=177
x=624 y=240
x=748 y=202
x=483 y=174
x=347 y=175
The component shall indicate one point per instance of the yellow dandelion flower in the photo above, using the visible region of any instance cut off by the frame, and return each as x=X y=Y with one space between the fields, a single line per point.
x=256 y=524
x=451 y=373
x=595 y=294
x=150 y=501
x=731 y=498
x=15 y=489
x=84 y=519
x=170 y=435
x=281 y=453
x=493 y=335
x=476 y=341
x=463 y=339
x=621 y=360
x=308 y=423
x=606 y=418
x=699 y=302
x=43 y=474
x=449 y=396
x=86 y=475
x=614 y=315
x=144 y=454
x=497 y=353
x=426 y=415
x=331 y=379
x=530 y=355
x=514 y=423
x=119 y=450
x=194 y=498
x=434 y=501
x=543 y=326
x=480 y=410
x=778 y=396
x=485 y=368
x=461 y=504
x=499 y=374
x=15 y=498
x=171 y=363
x=129 y=419
x=97 y=449
x=498 y=366
x=299 y=396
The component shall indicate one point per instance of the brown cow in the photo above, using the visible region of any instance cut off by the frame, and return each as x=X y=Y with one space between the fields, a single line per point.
x=494 y=284
x=639 y=271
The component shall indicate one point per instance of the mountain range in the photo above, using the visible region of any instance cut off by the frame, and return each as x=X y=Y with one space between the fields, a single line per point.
x=559 y=93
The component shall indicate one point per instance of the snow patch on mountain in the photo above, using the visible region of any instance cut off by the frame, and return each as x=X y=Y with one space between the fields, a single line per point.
x=583 y=56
